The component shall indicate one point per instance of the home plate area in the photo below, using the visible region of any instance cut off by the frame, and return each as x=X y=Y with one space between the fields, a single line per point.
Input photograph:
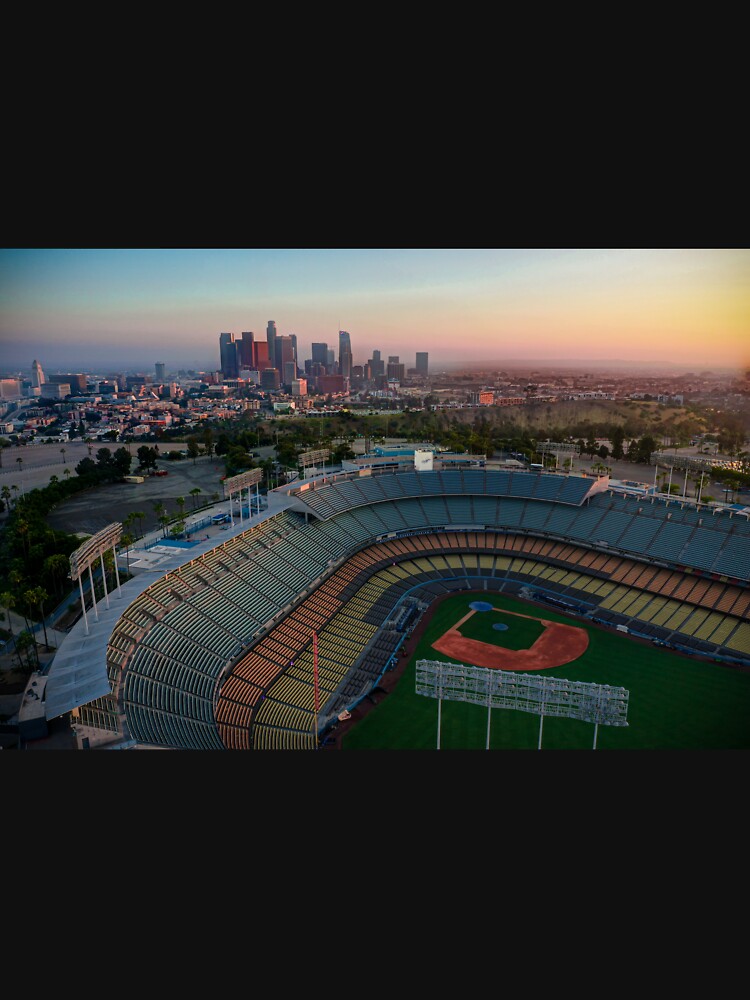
x=557 y=645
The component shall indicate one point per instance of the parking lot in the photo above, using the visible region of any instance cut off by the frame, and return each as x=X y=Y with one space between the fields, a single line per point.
x=89 y=512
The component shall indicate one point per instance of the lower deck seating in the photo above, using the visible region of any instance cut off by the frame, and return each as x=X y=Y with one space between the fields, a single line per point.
x=219 y=652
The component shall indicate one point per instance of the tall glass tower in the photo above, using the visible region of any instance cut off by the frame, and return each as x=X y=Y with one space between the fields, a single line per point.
x=345 y=354
x=320 y=354
x=271 y=338
x=228 y=355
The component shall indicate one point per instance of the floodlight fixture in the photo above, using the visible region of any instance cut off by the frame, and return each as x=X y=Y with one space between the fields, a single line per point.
x=536 y=694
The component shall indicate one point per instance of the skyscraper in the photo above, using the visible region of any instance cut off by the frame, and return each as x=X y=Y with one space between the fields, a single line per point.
x=247 y=350
x=37 y=376
x=271 y=338
x=261 y=355
x=285 y=356
x=159 y=368
x=395 y=370
x=345 y=354
x=422 y=359
x=228 y=355
x=320 y=354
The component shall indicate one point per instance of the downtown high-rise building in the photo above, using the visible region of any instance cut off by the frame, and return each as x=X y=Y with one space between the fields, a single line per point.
x=37 y=376
x=271 y=340
x=261 y=355
x=395 y=370
x=377 y=366
x=320 y=354
x=246 y=351
x=270 y=380
x=422 y=363
x=285 y=355
x=228 y=355
x=160 y=371
x=345 y=354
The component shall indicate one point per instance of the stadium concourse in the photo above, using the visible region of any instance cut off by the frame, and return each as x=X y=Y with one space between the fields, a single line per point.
x=270 y=633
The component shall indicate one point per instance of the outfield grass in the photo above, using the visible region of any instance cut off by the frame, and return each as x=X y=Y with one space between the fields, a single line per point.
x=675 y=702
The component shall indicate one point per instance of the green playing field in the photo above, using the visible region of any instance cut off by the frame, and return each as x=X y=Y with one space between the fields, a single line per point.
x=674 y=702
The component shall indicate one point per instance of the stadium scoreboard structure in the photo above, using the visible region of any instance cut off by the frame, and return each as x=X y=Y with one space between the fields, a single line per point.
x=238 y=483
x=242 y=481
x=599 y=704
x=86 y=555
x=311 y=459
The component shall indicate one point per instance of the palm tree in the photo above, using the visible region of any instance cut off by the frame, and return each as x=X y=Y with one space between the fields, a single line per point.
x=194 y=493
x=62 y=452
x=66 y=473
x=8 y=600
x=18 y=580
x=22 y=527
x=127 y=540
x=55 y=568
x=35 y=598
x=109 y=568
x=24 y=643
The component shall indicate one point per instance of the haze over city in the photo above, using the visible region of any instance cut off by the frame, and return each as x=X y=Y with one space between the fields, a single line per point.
x=102 y=308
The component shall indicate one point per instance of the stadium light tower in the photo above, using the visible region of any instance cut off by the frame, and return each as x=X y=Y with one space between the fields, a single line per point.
x=533 y=693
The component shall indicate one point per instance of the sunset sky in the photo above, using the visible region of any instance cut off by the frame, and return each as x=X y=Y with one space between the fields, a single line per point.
x=108 y=309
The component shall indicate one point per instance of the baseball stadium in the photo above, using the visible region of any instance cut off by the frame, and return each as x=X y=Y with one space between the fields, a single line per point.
x=271 y=636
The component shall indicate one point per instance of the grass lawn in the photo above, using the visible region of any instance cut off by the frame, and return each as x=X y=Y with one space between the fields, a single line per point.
x=674 y=703
x=522 y=633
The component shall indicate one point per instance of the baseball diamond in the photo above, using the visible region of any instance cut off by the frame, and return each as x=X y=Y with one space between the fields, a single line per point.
x=558 y=644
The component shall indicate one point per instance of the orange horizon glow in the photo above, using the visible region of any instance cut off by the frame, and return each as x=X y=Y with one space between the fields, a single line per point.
x=687 y=307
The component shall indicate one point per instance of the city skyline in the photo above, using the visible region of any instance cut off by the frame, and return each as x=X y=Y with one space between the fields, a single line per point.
x=89 y=309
